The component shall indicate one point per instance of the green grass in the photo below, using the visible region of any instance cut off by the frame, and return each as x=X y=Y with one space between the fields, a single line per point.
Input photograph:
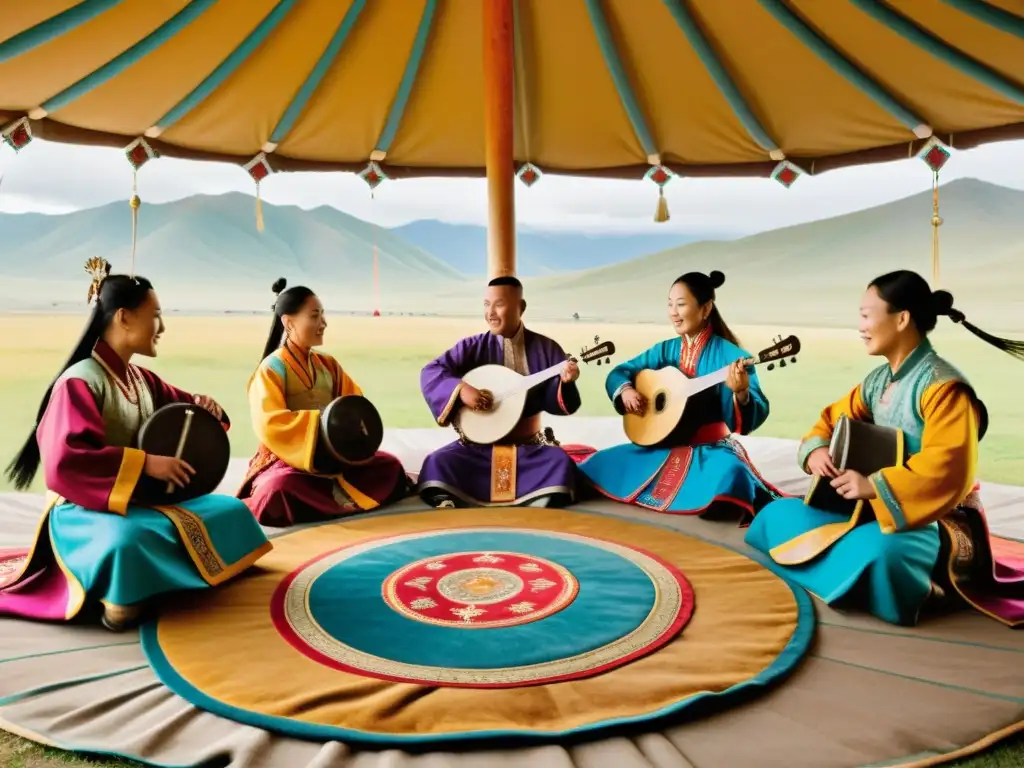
x=216 y=355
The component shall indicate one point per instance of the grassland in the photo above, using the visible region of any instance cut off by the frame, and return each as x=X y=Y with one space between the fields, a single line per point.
x=216 y=355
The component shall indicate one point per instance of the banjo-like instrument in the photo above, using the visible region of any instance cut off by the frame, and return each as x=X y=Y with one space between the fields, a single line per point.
x=509 y=391
x=351 y=432
x=669 y=390
x=191 y=433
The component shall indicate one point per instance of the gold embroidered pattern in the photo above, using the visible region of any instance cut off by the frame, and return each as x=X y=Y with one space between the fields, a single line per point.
x=503 y=474
x=668 y=602
x=197 y=541
x=514 y=349
x=523 y=607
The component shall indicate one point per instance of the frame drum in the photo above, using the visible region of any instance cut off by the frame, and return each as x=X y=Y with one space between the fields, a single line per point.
x=863 y=447
x=192 y=434
x=351 y=432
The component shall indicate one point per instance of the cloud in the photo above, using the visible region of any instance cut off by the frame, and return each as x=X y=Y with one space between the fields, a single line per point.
x=55 y=178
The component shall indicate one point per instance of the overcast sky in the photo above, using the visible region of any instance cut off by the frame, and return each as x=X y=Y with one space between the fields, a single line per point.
x=54 y=178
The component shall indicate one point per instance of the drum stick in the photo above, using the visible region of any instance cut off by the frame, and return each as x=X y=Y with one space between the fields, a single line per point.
x=181 y=443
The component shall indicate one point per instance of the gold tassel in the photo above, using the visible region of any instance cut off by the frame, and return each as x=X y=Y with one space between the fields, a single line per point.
x=661 y=214
x=936 y=223
x=135 y=203
x=259 y=210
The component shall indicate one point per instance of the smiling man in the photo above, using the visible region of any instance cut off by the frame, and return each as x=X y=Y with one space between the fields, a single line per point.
x=528 y=467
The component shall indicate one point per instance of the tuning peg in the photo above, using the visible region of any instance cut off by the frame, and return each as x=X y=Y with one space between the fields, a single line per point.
x=598 y=362
x=597 y=339
x=782 y=363
x=607 y=361
x=792 y=359
x=771 y=366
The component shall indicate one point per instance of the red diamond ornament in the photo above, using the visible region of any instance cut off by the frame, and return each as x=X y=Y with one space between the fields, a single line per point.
x=139 y=153
x=373 y=175
x=259 y=167
x=935 y=154
x=18 y=135
x=529 y=174
x=786 y=173
x=660 y=175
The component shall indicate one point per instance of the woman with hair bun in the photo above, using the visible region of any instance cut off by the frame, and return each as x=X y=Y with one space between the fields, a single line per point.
x=705 y=469
x=924 y=538
x=287 y=393
x=95 y=544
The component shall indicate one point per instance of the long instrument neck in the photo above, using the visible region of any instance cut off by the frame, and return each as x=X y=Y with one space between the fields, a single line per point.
x=708 y=380
x=531 y=381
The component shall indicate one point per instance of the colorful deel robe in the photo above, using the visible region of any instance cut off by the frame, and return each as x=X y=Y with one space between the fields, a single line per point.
x=93 y=544
x=923 y=538
x=287 y=394
x=707 y=467
x=530 y=468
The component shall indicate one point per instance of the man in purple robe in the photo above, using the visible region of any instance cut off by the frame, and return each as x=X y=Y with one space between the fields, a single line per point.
x=528 y=467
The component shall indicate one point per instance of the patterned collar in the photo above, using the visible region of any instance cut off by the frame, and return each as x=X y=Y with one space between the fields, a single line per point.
x=690 y=349
x=514 y=347
x=914 y=359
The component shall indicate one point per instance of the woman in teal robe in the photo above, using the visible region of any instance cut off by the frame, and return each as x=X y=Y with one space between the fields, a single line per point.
x=702 y=467
x=918 y=535
x=95 y=545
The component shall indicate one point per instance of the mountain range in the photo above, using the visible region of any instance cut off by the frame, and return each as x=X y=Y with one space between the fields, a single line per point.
x=204 y=252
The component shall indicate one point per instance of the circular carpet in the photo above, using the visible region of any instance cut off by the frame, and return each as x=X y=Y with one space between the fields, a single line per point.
x=467 y=624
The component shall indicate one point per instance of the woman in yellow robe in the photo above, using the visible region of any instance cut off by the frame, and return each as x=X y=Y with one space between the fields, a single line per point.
x=920 y=533
x=287 y=393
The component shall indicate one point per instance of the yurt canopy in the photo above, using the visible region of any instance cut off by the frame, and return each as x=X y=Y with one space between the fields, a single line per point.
x=620 y=88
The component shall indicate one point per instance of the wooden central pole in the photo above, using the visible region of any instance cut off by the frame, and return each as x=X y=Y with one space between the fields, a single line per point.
x=499 y=116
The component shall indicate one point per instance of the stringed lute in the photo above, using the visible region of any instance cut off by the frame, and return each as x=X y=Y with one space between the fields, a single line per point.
x=668 y=390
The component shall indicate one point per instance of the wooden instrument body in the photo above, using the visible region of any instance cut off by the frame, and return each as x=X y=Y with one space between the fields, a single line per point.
x=863 y=447
x=351 y=432
x=489 y=427
x=667 y=390
x=205 y=448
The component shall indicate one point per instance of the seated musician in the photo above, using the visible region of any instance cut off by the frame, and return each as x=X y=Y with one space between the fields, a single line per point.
x=292 y=385
x=95 y=544
x=890 y=563
x=701 y=468
x=531 y=468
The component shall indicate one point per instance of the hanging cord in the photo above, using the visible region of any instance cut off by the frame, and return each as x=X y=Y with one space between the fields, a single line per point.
x=135 y=203
x=936 y=223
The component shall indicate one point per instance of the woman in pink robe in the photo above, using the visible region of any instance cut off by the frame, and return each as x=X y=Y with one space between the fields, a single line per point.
x=95 y=544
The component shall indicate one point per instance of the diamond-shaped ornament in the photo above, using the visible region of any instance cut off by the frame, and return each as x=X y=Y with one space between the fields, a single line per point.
x=259 y=167
x=660 y=175
x=18 y=135
x=139 y=153
x=529 y=174
x=935 y=154
x=786 y=173
x=373 y=175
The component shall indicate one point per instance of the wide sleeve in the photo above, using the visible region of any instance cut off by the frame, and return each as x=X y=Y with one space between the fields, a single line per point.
x=441 y=381
x=820 y=436
x=560 y=399
x=745 y=419
x=290 y=435
x=942 y=474
x=77 y=462
x=165 y=394
x=624 y=374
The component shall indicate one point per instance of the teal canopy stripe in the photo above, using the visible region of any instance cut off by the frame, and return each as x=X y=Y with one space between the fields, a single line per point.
x=227 y=67
x=614 y=63
x=144 y=47
x=993 y=15
x=412 y=67
x=941 y=50
x=54 y=27
x=718 y=73
x=295 y=109
x=844 y=67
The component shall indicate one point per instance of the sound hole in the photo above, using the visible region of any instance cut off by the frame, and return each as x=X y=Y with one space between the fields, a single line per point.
x=659 y=402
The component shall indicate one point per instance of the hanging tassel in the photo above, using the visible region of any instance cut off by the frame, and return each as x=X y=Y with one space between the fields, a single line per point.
x=259 y=210
x=661 y=214
x=936 y=223
x=135 y=203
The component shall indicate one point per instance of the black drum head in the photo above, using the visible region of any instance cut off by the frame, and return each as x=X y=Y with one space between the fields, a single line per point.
x=207 y=450
x=353 y=427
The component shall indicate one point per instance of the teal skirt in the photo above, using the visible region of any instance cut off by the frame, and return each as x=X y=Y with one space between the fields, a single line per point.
x=889 y=574
x=125 y=560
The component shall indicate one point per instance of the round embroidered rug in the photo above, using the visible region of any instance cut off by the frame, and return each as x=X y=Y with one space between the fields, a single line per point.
x=456 y=625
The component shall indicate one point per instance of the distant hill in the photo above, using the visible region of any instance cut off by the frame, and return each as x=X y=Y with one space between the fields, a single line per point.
x=814 y=273
x=464 y=247
x=206 y=250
